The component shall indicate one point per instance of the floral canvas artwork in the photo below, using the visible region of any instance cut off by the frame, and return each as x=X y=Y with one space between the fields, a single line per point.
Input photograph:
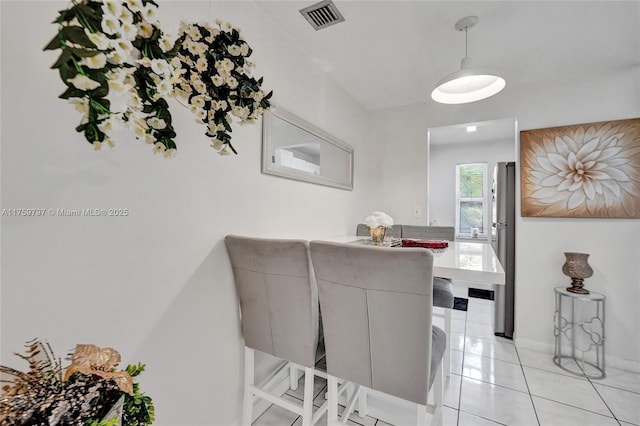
x=587 y=170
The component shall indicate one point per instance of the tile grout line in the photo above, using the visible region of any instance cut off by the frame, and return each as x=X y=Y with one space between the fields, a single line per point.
x=600 y=396
x=526 y=382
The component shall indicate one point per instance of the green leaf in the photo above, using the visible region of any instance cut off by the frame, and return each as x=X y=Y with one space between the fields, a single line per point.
x=76 y=34
x=64 y=57
x=54 y=44
x=83 y=53
x=67 y=71
x=72 y=92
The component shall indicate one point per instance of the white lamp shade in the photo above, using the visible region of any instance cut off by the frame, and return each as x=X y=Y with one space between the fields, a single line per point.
x=468 y=85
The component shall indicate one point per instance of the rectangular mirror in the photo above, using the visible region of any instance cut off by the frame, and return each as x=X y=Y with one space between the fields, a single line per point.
x=296 y=149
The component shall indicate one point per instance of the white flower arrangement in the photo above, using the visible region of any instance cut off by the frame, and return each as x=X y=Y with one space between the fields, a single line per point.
x=114 y=62
x=377 y=219
x=213 y=75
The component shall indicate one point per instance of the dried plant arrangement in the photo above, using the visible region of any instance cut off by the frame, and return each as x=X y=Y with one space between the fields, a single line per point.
x=90 y=391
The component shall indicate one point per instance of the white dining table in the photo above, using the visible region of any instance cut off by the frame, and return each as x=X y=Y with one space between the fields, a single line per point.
x=462 y=260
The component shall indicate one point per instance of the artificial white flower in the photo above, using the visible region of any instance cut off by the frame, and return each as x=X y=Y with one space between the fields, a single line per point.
x=218 y=21
x=217 y=80
x=134 y=5
x=83 y=82
x=164 y=88
x=149 y=13
x=222 y=105
x=128 y=31
x=217 y=144
x=194 y=33
x=122 y=45
x=118 y=86
x=234 y=50
x=161 y=67
x=110 y=24
x=115 y=57
x=99 y=39
x=134 y=102
x=112 y=8
x=202 y=64
x=166 y=43
x=145 y=30
x=240 y=112
x=229 y=27
x=80 y=104
x=145 y=62
x=156 y=123
x=158 y=148
x=169 y=153
x=198 y=101
x=232 y=82
x=199 y=86
x=126 y=17
x=95 y=62
x=110 y=124
x=97 y=145
x=140 y=132
x=376 y=219
x=149 y=138
x=244 y=49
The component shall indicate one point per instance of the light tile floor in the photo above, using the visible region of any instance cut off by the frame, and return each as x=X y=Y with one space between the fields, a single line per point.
x=494 y=383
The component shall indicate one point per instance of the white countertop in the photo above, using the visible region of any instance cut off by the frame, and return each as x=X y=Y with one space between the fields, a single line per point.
x=469 y=261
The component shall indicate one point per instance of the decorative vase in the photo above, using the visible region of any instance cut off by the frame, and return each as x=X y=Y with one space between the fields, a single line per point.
x=577 y=268
x=377 y=234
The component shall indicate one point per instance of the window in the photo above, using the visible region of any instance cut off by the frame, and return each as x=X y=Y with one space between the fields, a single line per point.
x=471 y=200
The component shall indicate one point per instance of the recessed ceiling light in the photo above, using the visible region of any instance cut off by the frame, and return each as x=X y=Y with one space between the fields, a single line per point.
x=471 y=129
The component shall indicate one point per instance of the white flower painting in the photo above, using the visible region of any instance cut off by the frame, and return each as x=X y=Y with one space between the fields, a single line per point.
x=587 y=170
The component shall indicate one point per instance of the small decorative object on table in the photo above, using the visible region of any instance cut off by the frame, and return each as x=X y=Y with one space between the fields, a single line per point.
x=430 y=244
x=577 y=268
x=378 y=222
x=90 y=392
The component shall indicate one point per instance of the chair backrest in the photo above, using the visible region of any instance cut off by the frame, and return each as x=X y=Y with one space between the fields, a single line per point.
x=376 y=305
x=363 y=231
x=432 y=232
x=278 y=296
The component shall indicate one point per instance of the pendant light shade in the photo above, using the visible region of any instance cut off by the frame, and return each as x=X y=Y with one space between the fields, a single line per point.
x=469 y=84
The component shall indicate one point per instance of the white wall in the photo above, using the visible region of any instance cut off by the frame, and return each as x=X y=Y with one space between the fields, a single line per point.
x=614 y=244
x=156 y=285
x=443 y=159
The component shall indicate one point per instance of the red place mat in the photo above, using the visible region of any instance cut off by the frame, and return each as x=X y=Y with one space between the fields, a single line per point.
x=432 y=244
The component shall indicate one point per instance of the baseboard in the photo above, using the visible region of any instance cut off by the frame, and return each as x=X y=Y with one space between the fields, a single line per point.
x=610 y=361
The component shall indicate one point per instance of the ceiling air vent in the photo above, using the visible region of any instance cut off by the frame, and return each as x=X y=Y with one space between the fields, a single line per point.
x=322 y=15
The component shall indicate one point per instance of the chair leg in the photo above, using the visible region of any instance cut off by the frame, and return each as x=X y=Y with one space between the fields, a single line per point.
x=247 y=403
x=332 y=409
x=362 y=403
x=293 y=376
x=438 y=389
x=421 y=414
x=307 y=405
x=447 y=351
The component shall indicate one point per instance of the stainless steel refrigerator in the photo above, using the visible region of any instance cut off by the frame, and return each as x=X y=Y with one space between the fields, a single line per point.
x=504 y=244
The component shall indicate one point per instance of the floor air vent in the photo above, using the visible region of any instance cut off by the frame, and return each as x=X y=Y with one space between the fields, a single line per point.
x=322 y=15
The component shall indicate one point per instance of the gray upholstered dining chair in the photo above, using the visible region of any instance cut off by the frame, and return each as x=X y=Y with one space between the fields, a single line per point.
x=376 y=307
x=279 y=315
x=363 y=231
x=442 y=287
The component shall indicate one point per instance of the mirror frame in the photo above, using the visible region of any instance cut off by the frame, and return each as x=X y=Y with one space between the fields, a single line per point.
x=273 y=169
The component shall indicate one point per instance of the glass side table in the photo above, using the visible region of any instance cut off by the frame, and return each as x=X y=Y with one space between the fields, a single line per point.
x=579 y=332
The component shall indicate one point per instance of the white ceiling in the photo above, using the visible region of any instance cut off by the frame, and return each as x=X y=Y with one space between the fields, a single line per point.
x=392 y=53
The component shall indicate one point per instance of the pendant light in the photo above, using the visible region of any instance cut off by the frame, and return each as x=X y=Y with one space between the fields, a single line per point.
x=469 y=84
